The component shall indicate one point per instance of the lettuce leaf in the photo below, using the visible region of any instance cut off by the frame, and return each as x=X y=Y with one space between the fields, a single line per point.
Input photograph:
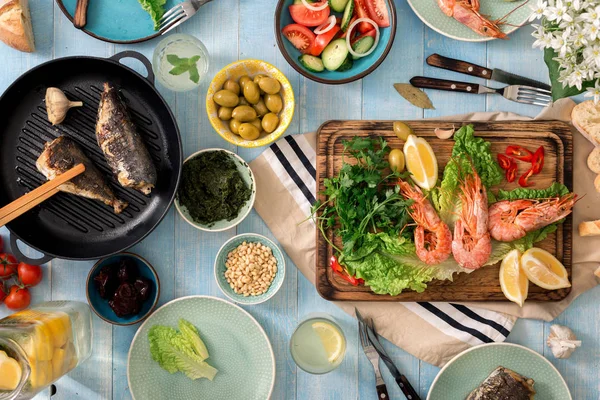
x=156 y=9
x=554 y=190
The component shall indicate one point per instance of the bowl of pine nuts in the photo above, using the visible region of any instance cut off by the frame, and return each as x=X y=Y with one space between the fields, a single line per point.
x=249 y=268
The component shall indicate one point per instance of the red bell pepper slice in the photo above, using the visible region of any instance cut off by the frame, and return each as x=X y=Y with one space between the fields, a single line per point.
x=523 y=179
x=520 y=153
x=538 y=160
x=511 y=172
x=341 y=272
x=504 y=161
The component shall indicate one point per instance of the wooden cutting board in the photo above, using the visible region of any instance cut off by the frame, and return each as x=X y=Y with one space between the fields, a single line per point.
x=482 y=284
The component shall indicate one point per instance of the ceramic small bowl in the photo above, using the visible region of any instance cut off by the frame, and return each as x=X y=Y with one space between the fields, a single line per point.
x=223 y=225
x=361 y=67
x=251 y=68
x=220 y=268
x=100 y=306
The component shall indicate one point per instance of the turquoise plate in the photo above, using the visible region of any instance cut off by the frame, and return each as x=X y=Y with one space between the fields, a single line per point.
x=116 y=21
x=238 y=348
x=431 y=14
x=467 y=370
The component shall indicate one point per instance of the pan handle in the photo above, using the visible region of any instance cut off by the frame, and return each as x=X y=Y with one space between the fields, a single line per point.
x=21 y=257
x=138 y=56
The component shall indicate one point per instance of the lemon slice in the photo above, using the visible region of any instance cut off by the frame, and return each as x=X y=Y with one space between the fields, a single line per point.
x=543 y=269
x=513 y=281
x=331 y=338
x=421 y=162
x=10 y=372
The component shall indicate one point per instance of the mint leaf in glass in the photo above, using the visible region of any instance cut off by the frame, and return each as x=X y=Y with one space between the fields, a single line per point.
x=182 y=65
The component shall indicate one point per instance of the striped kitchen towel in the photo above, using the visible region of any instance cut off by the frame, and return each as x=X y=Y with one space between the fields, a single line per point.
x=434 y=332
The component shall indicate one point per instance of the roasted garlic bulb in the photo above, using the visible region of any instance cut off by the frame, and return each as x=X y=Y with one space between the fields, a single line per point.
x=57 y=105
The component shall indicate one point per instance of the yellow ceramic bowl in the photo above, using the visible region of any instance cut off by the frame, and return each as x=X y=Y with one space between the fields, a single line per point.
x=251 y=68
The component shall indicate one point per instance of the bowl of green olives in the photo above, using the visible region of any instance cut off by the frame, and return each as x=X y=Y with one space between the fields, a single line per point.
x=250 y=103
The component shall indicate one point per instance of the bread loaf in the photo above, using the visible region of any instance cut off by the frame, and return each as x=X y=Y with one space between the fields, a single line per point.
x=589 y=228
x=15 y=25
x=586 y=118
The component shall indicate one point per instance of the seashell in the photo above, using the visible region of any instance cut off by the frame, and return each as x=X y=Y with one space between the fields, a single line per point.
x=562 y=341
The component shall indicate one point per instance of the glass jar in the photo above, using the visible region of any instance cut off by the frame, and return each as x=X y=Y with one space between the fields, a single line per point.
x=41 y=344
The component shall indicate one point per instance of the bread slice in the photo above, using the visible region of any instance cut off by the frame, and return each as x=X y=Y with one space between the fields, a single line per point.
x=597 y=183
x=589 y=228
x=593 y=160
x=586 y=118
x=15 y=25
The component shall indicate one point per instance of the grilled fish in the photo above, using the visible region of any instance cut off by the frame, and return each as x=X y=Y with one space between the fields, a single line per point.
x=62 y=154
x=504 y=384
x=122 y=146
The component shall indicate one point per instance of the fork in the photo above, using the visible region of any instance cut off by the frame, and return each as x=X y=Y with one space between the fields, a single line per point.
x=518 y=93
x=178 y=14
x=373 y=357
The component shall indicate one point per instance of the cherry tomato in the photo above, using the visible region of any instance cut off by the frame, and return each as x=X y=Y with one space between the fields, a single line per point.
x=8 y=265
x=520 y=153
x=18 y=298
x=1 y=244
x=523 y=179
x=322 y=40
x=303 y=16
x=360 y=8
x=300 y=36
x=538 y=160
x=504 y=161
x=511 y=172
x=29 y=275
x=378 y=12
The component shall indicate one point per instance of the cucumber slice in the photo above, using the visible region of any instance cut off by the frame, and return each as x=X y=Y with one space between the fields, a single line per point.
x=347 y=15
x=335 y=54
x=300 y=1
x=363 y=45
x=347 y=64
x=338 y=5
x=311 y=63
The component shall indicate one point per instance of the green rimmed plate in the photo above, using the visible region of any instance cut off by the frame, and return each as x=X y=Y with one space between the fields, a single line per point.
x=238 y=347
x=430 y=13
x=467 y=370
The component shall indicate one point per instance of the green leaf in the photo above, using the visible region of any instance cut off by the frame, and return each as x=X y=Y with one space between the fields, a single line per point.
x=193 y=60
x=558 y=91
x=554 y=190
x=194 y=76
x=179 y=70
x=175 y=60
x=156 y=9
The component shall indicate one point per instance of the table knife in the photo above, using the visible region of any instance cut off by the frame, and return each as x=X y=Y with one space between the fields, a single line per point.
x=401 y=380
x=435 y=60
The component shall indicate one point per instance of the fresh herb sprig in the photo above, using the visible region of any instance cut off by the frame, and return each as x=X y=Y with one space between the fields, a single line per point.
x=183 y=65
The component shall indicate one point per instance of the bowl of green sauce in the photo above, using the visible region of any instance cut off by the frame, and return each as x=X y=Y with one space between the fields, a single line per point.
x=217 y=190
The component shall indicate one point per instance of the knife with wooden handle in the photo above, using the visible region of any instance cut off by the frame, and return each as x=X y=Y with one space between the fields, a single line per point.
x=80 y=17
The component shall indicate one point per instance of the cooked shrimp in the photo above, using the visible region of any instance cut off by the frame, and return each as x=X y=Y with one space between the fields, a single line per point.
x=511 y=220
x=433 y=239
x=472 y=245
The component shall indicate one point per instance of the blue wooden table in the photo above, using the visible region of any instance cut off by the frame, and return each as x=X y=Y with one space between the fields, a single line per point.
x=183 y=256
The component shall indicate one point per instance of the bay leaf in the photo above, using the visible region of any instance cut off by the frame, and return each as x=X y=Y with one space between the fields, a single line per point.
x=415 y=96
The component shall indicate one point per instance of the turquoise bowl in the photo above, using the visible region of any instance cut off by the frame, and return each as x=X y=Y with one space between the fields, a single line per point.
x=220 y=268
x=361 y=68
x=100 y=306
x=467 y=370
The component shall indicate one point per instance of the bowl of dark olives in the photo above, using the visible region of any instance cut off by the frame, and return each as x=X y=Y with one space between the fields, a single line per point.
x=250 y=103
x=123 y=289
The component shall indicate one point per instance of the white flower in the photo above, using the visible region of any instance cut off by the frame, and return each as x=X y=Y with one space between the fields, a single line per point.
x=558 y=13
x=592 y=31
x=578 y=38
x=591 y=55
x=568 y=26
x=591 y=16
x=577 y=77
x=538 y=10
x=574 y=5
x=560 y=44
x=593 y=92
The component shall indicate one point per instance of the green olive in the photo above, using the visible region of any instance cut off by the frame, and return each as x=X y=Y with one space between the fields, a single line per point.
x=261 y=108
x=232 y=86
x=224 y=113
x=243 y=79
x=226 y=98
x=270 y=85
x=244 y=113
x=258 y=77
x=270 y=122
x=249 y=131
x=234 y=126
x=251 y=92
x=256 y=122
x=396 y=160
x=402 y=130
x=243 y=101
x=273 y=102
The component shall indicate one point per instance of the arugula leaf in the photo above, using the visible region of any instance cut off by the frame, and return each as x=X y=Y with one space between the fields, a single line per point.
x=183 y=65
x=156 y=9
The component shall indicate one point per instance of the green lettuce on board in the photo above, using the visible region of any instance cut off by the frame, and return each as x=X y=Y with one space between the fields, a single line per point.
x=156 y=9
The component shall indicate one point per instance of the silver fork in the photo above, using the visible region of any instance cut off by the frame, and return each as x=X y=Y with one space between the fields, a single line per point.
x=518 y=93
x=179 y=14
x=373 y=357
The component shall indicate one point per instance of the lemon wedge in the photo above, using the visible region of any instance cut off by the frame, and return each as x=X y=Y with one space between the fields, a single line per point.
x=332 y=340
x=543 y=269
x=513 y=281
x=10 y=372
x=421 y=162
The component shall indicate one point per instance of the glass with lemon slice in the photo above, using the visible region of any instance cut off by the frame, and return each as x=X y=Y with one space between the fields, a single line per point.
x=318 y=344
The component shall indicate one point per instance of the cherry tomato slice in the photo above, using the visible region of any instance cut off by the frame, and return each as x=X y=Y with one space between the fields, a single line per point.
x=303 y=16
x=523 y=180
x=378 y=12
x=360 y=8
x=504 y=161
x=520 y=153
x=299 y=36
x=511 y=172
x=322 y=40
x=538 y=160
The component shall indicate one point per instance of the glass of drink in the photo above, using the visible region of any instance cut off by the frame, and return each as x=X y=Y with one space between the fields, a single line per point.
x=318 y=344
x=180 y=62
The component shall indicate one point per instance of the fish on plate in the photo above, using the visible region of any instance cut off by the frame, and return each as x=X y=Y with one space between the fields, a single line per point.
x=504 y=383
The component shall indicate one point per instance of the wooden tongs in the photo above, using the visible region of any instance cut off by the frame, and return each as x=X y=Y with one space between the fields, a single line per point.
x=37 y=195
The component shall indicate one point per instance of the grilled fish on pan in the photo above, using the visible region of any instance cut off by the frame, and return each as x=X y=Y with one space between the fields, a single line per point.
x=62 y=154
x=122 y=146
x=504 y=384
